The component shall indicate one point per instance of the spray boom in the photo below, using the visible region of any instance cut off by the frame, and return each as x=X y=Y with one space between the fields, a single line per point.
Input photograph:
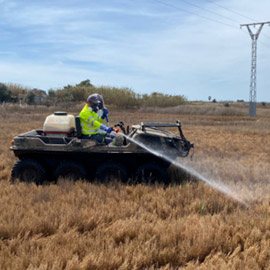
x=185 y=144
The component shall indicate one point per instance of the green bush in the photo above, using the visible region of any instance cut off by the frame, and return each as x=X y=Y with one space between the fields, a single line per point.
x=160 y=100
x=120 y=97
x=5 y=94
x=30 y=98
x=17 y=89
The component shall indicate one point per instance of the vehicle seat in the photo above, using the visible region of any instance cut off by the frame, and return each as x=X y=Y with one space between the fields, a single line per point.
x=78 y=127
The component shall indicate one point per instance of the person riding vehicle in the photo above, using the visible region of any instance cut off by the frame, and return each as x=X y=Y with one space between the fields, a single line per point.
x=91 y=122
x=103 y=111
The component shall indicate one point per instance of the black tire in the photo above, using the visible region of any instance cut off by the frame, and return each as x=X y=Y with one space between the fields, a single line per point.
x=70 y=170
x=151 y=173
x=111 y=171
x=28 y=170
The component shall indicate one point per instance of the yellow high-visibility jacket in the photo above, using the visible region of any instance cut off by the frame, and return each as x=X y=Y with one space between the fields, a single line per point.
x=90 y=121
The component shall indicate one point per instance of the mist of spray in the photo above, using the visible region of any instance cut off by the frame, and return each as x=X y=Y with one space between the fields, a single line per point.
x=218 y=186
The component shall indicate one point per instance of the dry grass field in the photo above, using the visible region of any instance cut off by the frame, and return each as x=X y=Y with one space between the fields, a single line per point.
x=184 y=226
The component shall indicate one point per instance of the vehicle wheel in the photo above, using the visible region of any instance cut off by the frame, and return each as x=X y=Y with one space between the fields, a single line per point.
x=29 y=171
x=70 y=170
x=111 y=171
x=151 y=173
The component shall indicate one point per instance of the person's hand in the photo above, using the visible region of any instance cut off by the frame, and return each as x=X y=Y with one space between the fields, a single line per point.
x=109 y=130
x=105 y=113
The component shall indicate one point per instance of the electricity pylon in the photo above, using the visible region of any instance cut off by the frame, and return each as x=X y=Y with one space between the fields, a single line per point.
x=252 y=92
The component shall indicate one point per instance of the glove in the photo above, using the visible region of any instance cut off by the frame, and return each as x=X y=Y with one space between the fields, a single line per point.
x=107 y=129
x=105 y=113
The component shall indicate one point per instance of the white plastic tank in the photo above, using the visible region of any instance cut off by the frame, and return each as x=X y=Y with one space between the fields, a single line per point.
x=59 y=124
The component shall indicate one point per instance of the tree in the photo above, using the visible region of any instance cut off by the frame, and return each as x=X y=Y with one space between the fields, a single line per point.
x=85 y=83
x=51 y=93
x=5 y=94
x=30 y=98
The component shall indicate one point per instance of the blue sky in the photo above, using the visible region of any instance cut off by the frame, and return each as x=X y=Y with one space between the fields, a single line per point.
x=164 y=46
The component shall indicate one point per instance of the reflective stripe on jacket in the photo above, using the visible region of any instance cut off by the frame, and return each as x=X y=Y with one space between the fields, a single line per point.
x=90 y=122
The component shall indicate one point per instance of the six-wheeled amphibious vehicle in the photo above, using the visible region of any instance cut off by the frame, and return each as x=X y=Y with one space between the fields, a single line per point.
x=60 y=151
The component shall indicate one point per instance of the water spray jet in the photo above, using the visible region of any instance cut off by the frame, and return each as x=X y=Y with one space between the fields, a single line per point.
x=218 y=186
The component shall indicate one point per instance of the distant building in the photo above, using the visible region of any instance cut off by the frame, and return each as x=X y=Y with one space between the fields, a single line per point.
x=22 y=96
x=40 y=95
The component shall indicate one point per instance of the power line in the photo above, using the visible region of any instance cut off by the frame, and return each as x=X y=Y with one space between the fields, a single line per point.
x=208 y=10
x=237 y=13
x=266 y=35
x=194 y=13
x=225 y=17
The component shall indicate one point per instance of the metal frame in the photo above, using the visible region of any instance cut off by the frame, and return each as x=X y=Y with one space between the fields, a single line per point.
x=253 y=76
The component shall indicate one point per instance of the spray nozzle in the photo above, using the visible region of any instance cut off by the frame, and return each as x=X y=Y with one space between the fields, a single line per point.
x=121 y=126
